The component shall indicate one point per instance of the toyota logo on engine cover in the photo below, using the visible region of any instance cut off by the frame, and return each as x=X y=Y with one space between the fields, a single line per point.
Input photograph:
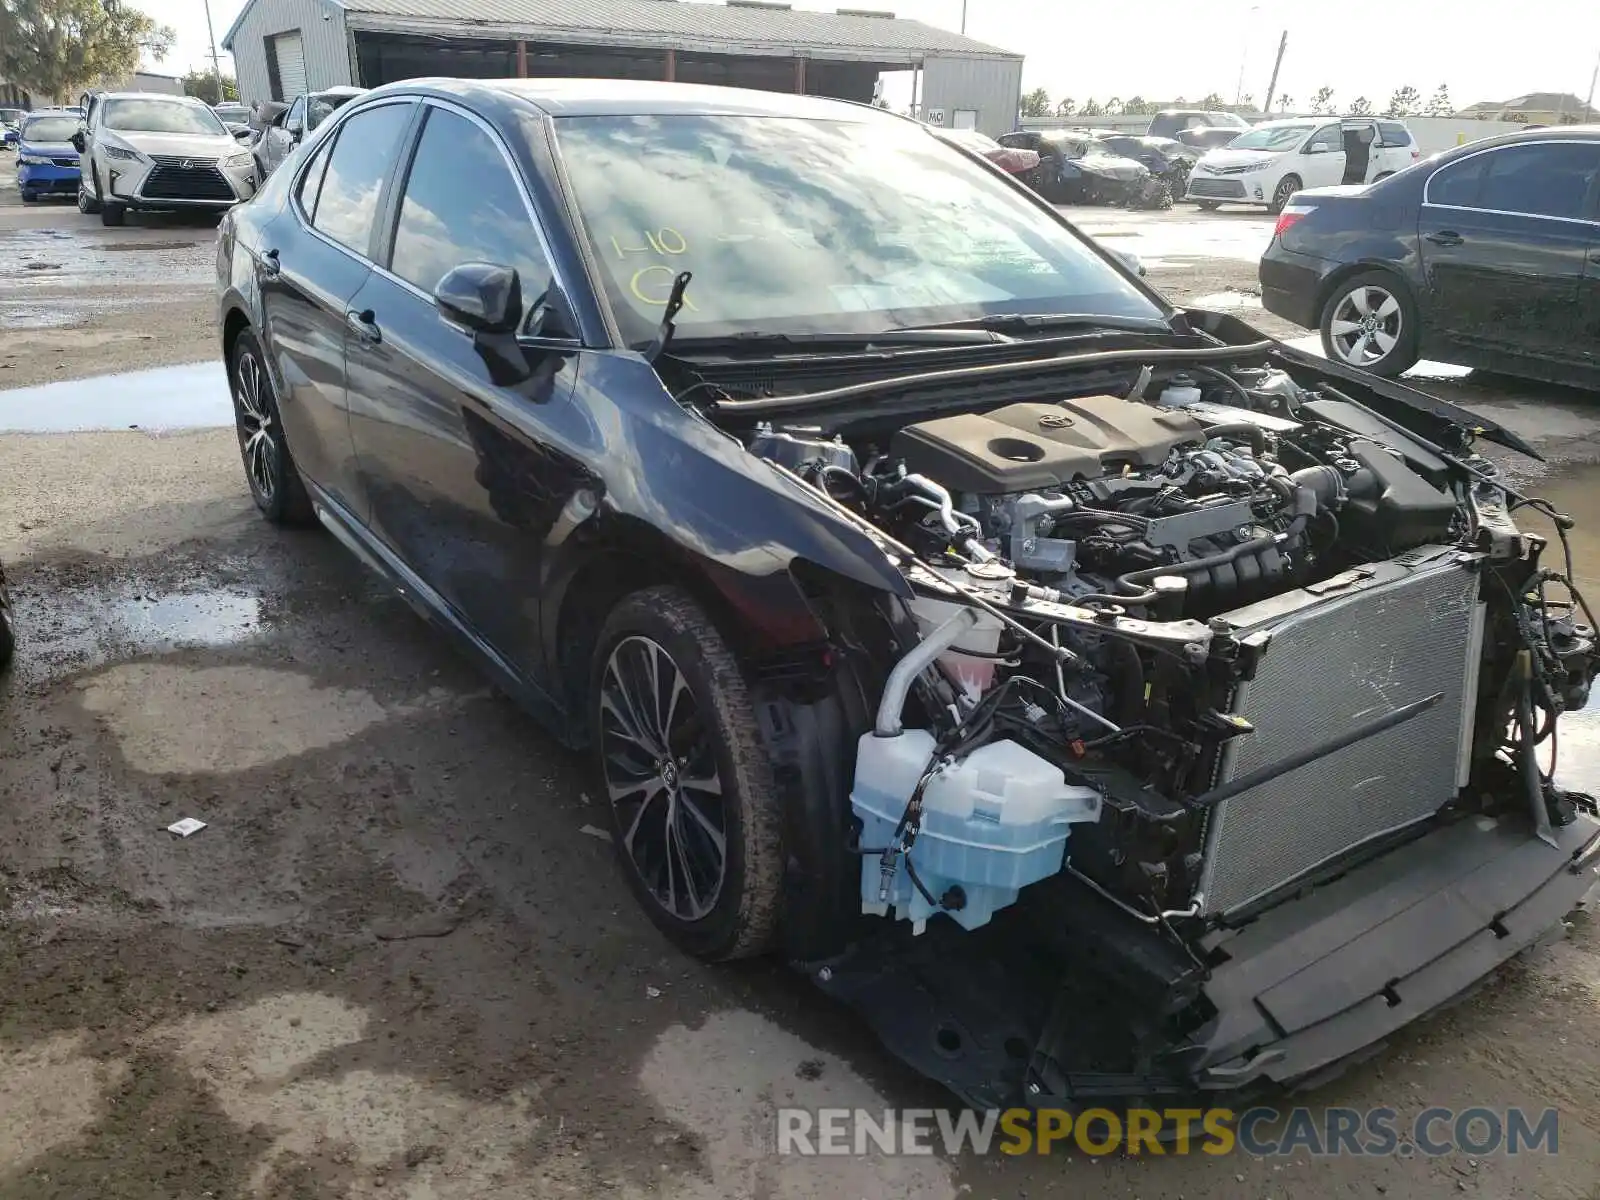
x=1054 y=421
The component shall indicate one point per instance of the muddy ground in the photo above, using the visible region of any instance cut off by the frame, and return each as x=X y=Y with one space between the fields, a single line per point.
x=394 y=963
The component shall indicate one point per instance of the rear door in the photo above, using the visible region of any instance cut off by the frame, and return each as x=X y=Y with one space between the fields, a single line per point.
x=1505 y=236
x=315 y=257
x=455 y=462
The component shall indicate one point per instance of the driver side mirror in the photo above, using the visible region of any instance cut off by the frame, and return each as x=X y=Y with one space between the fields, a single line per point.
x=483 y=297
x=77 y=141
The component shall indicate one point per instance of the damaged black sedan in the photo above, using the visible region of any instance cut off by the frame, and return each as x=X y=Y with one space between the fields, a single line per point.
x=1107 y=701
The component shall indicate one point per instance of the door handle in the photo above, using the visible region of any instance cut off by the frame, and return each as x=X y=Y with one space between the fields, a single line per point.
x=364 y=325
x=270 y=266
x=1445 y=237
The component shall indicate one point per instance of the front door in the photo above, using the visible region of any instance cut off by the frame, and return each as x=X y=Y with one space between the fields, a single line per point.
x=451 y=455
x=282 y=134
x=316 y=257
x=1505 y=237
x=1320 y=162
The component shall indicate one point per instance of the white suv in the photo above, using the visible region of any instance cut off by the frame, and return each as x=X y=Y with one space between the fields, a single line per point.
x=1271 y=162
x=145 y=150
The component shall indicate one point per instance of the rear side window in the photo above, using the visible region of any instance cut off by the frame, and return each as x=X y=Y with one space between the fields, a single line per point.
x=462 y=204
x=347 y=205
x=311 y=181
x=1550 y=179
x=1456 y=184
x=1394 y=133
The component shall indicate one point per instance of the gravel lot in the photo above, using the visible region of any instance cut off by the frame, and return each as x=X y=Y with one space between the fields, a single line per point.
x=395 y=964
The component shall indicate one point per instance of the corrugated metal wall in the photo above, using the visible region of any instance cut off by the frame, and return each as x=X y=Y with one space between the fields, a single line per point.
x=965 y=83
x=327 y=50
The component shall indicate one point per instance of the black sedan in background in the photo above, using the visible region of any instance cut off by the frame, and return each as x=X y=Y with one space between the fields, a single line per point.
x=1487 y=256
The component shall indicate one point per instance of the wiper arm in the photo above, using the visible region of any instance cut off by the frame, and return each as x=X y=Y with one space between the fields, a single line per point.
x=950 y=335
x=1014 y=321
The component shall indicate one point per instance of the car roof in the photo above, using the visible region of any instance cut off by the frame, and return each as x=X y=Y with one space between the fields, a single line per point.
x=338 y=89
x=631 y=97
x=192 y=101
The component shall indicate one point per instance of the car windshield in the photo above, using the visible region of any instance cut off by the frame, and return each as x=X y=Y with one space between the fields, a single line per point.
x=161 y=116
x=809 y=226
x=1277 y=137
x=49 y=129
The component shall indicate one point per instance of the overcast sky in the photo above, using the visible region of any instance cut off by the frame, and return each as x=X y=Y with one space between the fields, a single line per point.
x=1161 y=49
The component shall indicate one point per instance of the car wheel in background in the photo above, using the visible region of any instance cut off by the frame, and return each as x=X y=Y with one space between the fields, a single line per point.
x=1287 y=186
x=1370 y=322
x=112 y=213
x=694 y=814
x=1208 y=205
x=275 y=482
x=8 y=640
x=28 y=197
x=87 y=203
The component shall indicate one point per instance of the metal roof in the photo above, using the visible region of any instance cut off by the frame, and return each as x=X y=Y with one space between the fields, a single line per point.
x=739 y=28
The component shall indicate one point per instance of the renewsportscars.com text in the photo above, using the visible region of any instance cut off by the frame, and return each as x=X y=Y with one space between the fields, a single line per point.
x=1259 y=1132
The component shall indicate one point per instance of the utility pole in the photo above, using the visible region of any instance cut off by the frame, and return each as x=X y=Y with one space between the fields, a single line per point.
x=1272 y=88
x=216 y=67
x=963 y=16
x=1589 y=103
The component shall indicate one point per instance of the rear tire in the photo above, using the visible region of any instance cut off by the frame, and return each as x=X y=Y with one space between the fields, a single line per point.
x=1364 y=313
x=695 y=817
x=112 y=213
x=275 y=483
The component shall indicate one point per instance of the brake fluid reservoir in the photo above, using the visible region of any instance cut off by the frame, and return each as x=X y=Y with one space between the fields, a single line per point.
x=992 y=823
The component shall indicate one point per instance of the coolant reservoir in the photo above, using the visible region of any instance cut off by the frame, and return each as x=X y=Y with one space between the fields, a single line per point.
x=991 y=824
x=1179 y=392
x=973 y=671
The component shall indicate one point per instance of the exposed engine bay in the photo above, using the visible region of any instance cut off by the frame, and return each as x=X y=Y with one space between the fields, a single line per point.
x=1175 y=658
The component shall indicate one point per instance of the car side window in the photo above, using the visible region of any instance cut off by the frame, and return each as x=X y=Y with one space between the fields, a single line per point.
x=1326 y=140
x=1456 y=184
x=1544 y=179
x=295 y=121
x=365 y=147
x=1394 y=133
x=443 y=224
x=311 y=181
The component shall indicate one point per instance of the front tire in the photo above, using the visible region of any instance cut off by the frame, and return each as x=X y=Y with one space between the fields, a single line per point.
x=1370 y=322
x=1287 y=186
x=87 y=204
x=275 y=483
x=694 y=811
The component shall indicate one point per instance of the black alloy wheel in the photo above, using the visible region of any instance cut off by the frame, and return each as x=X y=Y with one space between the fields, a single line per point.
x=693 y=811
x=269 y=468
x=1287 y=186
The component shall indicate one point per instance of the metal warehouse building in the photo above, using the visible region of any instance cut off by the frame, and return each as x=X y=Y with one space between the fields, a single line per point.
x=283 y=47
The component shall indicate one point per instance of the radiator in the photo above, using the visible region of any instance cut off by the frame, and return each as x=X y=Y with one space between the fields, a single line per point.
x=1333 y=657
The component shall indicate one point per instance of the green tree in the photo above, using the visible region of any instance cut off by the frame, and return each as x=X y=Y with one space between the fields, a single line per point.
x=1136 y=106
x=203 y=86
x=1322 y=102
x=1440 y=105
x=1114 y=106
x=1403 y=101
x=1361 y=107
x=1285 y=102
x=1036 y=103
x=1093 y=108
x=52 y=48
x=1066 y=106
x=1212 y=100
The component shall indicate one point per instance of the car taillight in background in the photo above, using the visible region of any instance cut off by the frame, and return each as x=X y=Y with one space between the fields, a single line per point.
x=1290 y=214
x=1013 y=160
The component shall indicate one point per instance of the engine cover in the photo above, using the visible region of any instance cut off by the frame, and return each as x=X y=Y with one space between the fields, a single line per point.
x=1037 y=446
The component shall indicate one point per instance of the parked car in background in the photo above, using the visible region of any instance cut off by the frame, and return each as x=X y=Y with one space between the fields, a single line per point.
x=1485 y=256
x=10 y=120
x=1168 y=160
x=142 y=150
x=1198 y=128
x=1075 y=167
x=876 y=532
x=1268 y=164
x=232 y=112
x=1011 y=159
x=283 y=128
x=47 y=163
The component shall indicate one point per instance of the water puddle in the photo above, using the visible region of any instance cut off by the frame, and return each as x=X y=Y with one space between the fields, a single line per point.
x=80 y=628
x=47 y=258
x=1158 y=237
x=1424 y=370
x=62 y=312
x=1226 y=301
x=194 y=396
